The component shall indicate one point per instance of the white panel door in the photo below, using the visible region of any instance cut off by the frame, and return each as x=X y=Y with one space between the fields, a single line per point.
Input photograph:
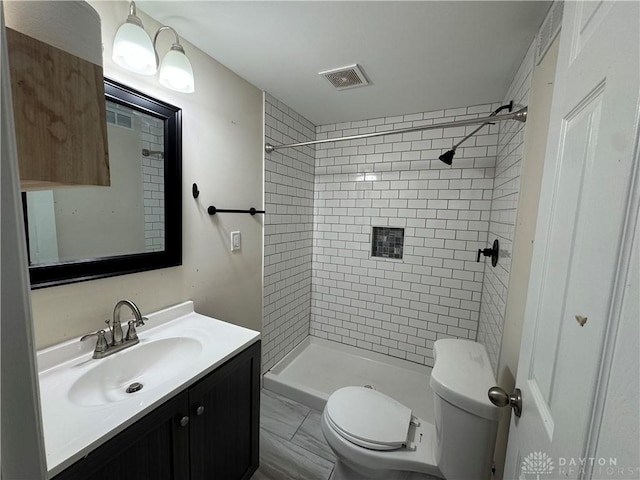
x=21 y=440
x=581 y=244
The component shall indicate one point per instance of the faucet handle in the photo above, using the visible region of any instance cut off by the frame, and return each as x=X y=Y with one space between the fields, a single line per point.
x=131 y=331
x=108 y=322
x=101 y=343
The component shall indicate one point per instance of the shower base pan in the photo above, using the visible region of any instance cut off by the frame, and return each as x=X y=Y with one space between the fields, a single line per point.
x=317 y=367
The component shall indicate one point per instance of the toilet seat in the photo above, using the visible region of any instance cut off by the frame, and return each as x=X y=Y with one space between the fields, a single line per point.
x=355 y=419
x=368 y=418
x=418 y=456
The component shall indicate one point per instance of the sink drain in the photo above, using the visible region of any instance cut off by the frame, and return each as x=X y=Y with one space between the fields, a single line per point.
x=134 y=387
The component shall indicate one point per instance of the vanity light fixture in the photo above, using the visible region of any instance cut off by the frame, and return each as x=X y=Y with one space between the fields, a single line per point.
x=134 y=51
x=132 y=47
x=175 y=70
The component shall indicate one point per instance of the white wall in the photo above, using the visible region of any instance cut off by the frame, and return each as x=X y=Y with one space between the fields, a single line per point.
x=288 y=232
x=400 y=307
x=222 y=152
x=620 y=424
x=97 y=221
x=43 y=238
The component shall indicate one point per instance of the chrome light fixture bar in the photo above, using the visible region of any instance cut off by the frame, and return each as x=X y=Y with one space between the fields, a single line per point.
x=133 y=50
x=519 y=115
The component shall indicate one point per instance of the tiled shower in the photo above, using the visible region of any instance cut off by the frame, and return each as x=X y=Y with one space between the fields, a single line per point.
x=392 y=306
x=324 y=201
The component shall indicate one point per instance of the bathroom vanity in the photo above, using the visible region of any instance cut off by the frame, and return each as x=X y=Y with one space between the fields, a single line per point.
x=195 y=417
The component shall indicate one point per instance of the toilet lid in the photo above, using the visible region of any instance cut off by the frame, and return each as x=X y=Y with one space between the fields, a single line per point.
x=368 y=418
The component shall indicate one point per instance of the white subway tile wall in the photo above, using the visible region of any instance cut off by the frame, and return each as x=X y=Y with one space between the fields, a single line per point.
x=400 y=307
x=288 y=232
x=153 y=181
x=504 y=205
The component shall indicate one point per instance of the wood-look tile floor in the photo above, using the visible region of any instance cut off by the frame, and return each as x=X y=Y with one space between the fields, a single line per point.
x=292 y=446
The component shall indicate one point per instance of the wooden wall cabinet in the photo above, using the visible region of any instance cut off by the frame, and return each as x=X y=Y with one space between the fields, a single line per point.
x=210 y=431
x=60 y=115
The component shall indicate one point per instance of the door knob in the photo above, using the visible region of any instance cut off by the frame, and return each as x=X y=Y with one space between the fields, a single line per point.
x=184 y=421
x=200 y=410
x=500 y=398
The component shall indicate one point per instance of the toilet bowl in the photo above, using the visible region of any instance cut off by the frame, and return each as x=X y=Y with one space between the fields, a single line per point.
x=374 y=436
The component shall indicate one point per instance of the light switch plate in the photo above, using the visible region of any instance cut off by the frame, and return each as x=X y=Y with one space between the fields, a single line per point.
x=235 y=241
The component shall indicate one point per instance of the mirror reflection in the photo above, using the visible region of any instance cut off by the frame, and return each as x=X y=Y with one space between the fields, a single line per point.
x=93 y=222
x=135 y=224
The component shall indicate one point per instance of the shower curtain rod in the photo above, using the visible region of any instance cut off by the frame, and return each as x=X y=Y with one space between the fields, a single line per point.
x=520 y=115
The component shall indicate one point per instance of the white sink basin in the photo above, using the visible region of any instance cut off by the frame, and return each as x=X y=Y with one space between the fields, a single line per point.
x=150 y=364
x=84 y=401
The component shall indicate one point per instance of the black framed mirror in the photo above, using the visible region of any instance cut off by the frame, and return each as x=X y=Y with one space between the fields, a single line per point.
x=85 y=233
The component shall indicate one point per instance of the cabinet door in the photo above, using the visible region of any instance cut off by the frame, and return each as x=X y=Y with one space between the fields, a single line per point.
x=60 y=115
x=225 y=435
x=153 y=448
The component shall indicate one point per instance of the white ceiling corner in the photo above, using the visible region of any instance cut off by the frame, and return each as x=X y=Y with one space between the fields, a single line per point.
x=418 y=55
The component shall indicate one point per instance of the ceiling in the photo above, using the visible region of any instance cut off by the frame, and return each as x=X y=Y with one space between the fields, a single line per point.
x=418 y=55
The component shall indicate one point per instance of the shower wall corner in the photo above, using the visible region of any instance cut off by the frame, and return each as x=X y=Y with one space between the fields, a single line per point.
x=288 y=223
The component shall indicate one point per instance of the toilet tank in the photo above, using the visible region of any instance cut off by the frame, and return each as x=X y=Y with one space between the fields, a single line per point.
x=466 y=421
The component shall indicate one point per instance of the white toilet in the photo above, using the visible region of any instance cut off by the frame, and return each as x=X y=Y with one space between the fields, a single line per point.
x=374 y=436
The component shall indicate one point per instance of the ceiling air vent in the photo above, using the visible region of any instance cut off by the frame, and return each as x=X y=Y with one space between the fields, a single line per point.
x=345 y=77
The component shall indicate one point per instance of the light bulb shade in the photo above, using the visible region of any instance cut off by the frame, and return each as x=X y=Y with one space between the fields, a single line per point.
x=176 y=72
x=133 y=50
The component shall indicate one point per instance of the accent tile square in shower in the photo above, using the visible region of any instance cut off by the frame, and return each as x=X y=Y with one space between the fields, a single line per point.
x=387 y=242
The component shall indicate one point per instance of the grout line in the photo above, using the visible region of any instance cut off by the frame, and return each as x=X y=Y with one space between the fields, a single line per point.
x=298 y=429
x=331 y=473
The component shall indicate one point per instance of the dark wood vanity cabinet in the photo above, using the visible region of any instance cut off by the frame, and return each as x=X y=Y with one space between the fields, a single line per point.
x=208 y=432
x=225 y=407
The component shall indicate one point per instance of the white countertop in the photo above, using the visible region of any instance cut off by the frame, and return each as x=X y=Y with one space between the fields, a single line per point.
x=72 y=429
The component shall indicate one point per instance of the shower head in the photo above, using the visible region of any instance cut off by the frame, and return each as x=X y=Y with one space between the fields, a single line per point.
x=448 y=157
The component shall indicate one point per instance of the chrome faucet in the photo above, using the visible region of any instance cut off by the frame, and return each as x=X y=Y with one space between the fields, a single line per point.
x=118 y=342
x=116 y=337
